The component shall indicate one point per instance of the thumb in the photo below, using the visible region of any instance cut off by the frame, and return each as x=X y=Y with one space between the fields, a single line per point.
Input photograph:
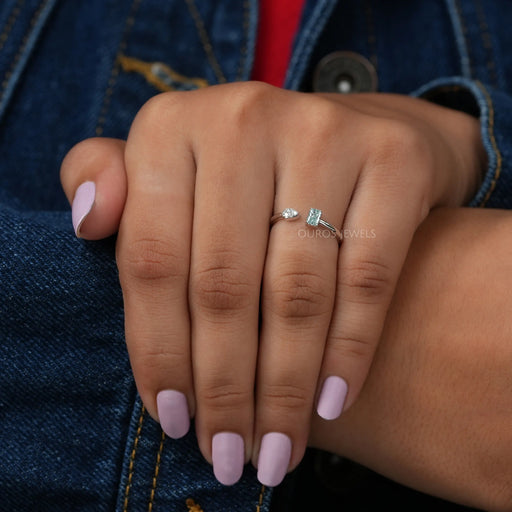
x=94 y=180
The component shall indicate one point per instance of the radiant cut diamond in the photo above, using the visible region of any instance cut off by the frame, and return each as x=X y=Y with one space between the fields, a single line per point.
x=289 y=213
x=314 y=217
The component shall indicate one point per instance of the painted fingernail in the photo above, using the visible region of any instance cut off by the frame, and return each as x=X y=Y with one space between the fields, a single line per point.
x=274 y=458
x=332 y=398
x=82 y=204
x=228 y=457
x=173 y=413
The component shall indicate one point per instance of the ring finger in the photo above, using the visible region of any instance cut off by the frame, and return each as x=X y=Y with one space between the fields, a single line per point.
x=297 y=301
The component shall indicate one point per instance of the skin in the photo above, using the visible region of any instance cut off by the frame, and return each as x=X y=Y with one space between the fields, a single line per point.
x=435 y=412
x=203 y=173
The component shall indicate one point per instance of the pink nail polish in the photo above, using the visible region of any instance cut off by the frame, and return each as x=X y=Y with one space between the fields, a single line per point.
x=82 y=204
x=274 y=458
x=332 y=398
x=173 y=413
x=228 y=457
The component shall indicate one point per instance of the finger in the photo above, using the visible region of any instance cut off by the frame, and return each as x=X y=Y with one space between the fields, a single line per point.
x=93 y=177
x=376 y=239
x=234 y=196
x=153 y=254
x=297 y=300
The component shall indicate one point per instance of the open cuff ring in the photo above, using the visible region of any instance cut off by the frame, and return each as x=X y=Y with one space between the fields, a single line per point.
x=314 y=219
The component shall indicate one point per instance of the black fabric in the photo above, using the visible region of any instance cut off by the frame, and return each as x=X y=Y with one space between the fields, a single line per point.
x=324 y=482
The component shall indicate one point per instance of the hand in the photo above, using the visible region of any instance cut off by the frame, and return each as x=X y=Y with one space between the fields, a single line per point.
x=205 y=171
x=435 y=410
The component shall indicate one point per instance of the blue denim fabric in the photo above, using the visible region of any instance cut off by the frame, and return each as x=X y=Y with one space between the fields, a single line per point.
x=66 y=394
x=496 y=131
x=74 y=435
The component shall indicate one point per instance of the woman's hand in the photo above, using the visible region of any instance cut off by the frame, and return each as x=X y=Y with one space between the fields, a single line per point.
x=244 y=326
x=435 y=412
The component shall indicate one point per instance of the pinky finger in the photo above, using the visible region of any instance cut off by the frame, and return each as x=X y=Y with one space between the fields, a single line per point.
x=370 y=261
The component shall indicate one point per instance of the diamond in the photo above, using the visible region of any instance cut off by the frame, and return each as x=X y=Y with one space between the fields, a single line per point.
x=289 y=213
x=314 y=217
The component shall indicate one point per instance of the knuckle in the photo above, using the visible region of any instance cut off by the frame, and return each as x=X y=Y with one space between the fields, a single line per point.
x=164 y=104
x=318 y=121
x=287 y=397
x=344 y=347
x=324 y=119
x=366 y=280
x=151 y=367
x=400 y=159
x=225 y=396
x=221 y=287
x=298 y=295
x=162 y=118
x=150 y=259
x=159 y=117
x=395 y=145
x=395 y=137
x=245 y=103
x=158 y=349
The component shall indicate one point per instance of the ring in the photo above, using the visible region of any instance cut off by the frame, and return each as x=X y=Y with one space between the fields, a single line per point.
x=314 y=219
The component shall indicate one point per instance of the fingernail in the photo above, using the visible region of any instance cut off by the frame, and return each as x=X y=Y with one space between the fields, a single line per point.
x=82 y=204
x=332 y=398
x=173 y=413
x=228 y=457
x=274 y=458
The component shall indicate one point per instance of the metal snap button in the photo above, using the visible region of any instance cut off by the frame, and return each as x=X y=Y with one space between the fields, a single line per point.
x=345 y=72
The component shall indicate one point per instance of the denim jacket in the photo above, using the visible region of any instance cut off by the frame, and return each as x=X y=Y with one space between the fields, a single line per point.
x=74 y=434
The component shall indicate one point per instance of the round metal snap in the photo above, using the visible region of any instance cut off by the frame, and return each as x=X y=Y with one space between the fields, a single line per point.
x=345 y=72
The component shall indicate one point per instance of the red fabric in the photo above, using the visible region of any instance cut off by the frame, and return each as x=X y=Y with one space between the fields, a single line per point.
x=278 y=23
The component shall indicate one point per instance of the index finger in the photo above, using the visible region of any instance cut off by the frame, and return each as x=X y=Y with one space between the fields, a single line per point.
x=153 y=253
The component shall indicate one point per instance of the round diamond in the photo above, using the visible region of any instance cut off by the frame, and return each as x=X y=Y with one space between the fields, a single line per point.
x=289 y=213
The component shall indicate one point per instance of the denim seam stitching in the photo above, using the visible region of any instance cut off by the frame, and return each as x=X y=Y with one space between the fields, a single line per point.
x=13 y=18
x=486 y=42
x=205 y=41
x=146 y=69
x=460 y=40
x=116 y=68
x=156 y=473
x=244 y=49
x=372 y=36
x=309 y=37
x=260 y=499
x=467 y=44
x=132 y=460
x=21 y=49
x=497 y=152
x=193 y=506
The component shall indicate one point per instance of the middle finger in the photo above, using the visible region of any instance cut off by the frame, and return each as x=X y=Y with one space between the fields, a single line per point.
x=233 y=199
